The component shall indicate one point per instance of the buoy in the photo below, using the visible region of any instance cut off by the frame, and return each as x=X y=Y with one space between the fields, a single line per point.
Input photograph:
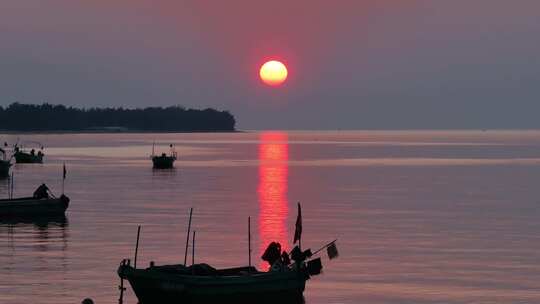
x=87 y=301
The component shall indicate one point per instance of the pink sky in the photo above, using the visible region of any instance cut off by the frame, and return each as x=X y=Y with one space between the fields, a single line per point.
x=352 y=64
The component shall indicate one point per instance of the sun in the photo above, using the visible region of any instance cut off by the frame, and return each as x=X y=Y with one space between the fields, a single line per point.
x=273 y=73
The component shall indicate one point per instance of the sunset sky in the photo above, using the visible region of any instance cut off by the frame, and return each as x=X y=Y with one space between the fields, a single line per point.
x=381 y=64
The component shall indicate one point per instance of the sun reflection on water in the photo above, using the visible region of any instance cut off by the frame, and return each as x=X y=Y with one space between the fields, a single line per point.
x=272 y=190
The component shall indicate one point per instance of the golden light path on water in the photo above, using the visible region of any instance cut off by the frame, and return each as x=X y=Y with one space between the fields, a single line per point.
x=272 y=190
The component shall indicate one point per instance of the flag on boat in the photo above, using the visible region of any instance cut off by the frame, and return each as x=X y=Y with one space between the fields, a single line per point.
x=298 y=228
x=64 y=171
x=332 y=251
x=314 y=266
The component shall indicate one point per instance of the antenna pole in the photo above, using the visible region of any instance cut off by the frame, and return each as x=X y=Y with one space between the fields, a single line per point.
x=249 y=240
x=137 y=247
x=188 y=231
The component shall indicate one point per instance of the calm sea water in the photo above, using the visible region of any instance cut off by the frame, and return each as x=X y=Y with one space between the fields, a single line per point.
x=421 y=217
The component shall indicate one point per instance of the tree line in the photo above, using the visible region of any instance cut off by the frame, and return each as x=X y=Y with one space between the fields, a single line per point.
x=48 y=117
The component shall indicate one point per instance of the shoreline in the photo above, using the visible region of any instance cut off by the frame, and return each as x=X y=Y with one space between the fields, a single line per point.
x=111 y=132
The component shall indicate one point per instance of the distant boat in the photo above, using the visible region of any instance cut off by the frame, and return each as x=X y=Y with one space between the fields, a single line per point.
x=30 y=206
x=40 y=204
x=164 y=161
x=24 y=157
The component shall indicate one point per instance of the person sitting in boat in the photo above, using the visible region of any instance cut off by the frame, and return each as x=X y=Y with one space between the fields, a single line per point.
x=278 y=260
x=33 y=152
x=41 y=192
x=272 y=253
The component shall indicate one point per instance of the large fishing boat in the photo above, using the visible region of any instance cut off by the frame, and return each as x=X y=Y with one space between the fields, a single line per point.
x=200 y=283
x=284 y=282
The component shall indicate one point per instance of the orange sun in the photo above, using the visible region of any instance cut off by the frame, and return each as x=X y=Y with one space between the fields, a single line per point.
x=273 y=73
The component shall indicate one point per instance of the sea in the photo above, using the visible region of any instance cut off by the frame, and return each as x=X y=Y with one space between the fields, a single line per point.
x=419 y=216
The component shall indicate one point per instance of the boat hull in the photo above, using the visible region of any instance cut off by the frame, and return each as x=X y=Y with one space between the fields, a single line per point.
x=41 y=222
x=27 y=158
x=163 y=162
x=152 y=287
x=4 y=168
x=32 y=207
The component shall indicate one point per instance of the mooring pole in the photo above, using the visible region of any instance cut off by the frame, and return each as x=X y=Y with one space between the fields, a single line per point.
x=137 y=247
x=188 y=232
x=193 y=250
x=249 y=240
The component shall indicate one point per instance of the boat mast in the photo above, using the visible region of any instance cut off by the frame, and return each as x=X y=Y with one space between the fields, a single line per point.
x=249 y=240
x=136 y=247
x=193 y=250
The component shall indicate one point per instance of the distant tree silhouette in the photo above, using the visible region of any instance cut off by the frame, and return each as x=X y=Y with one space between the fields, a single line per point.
x=48 y=117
